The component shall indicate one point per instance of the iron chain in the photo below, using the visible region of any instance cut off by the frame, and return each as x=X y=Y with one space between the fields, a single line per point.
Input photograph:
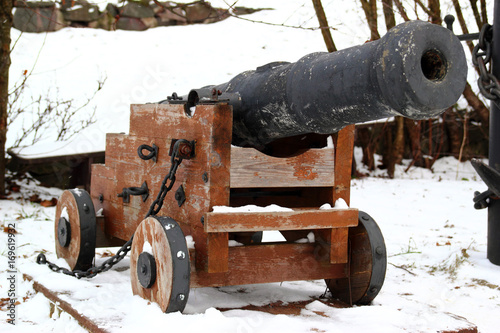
x=92 y=271
x=154 y=209
x=170 y=177
x=488 y=84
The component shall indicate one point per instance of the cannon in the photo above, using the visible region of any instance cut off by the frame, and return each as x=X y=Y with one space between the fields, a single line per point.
x=183 y=190
x=417 y=70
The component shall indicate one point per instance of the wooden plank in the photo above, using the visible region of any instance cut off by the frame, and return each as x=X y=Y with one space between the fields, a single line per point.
x=167 y=121
x=339 y=248
x=269 y=263
x=123 y=148
x=251 y=169
x=294 y=220
x=218 y=252
x=103 y=171
x=332 y=245
x=84 y=321
x=104 y=239
x=218 y=181
x=344 y=146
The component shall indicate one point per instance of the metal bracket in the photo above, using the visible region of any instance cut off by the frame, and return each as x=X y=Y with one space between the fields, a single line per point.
x=482 y=200
x=128 y=191
x=153 y=152
x=491 y=178
x=186 y=149
x=449 y=19
x=180 y=196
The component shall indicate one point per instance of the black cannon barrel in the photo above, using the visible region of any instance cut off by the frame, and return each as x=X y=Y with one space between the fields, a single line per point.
x=416 y=70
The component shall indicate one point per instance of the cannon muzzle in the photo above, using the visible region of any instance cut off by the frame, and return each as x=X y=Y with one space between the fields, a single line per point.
x=416 y=70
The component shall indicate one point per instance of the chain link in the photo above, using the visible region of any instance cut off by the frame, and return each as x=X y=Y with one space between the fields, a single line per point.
x=154 y=209
x=488 y=84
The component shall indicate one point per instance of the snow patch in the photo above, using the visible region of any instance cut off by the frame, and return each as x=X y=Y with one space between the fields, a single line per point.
x=251 y=208
x=64 y=213
x=190 y=242
x=339 y=204
x=146 y=247
x=309 y=239
x=233 y=243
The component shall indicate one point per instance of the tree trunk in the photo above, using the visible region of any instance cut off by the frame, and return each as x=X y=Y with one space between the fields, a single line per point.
x=390 y=20
x=453 y=131
x=5 y=26
x=414 y=128
x=435 y=10
x=365 y=139
x=397 y=144
x=323 y=24
x=399 y=141
x=482 y=111
x=370 y=9
x=387 y=154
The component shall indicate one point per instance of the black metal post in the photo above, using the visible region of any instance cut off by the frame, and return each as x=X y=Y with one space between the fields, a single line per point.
x=493 y=251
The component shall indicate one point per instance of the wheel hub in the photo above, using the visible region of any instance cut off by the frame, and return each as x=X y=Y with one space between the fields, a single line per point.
x=63 y=232
x=146 y=269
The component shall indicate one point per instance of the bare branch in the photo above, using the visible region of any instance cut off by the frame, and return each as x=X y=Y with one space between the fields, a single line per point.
x=477 y=15
x=461 y=20
x=484 y=13
x=230 y=7
x=27 y=74
x=401 y=10
x=47 y=113
x=424 y=8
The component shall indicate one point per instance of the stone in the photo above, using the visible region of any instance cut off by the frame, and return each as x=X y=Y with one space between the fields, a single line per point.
x=130 y=23
x=137 y=10
x=199 y=12
x=105 y=21
x=150 y=22
x=80 y=11
x=112 y=9
x=38 y=17
x=166 y=17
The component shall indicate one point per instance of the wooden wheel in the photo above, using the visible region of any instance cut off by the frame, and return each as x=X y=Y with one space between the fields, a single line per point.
x=75 y=229
x=367 y=264
x=159 y=263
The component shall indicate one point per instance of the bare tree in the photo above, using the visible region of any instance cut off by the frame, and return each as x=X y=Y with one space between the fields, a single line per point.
x=39 y=115
x=6 y=20
x=43 y=115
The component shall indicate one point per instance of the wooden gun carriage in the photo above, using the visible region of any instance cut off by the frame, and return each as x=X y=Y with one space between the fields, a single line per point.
x=300 y=169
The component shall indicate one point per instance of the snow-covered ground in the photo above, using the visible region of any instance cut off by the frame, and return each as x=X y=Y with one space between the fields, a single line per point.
x=437 y=270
